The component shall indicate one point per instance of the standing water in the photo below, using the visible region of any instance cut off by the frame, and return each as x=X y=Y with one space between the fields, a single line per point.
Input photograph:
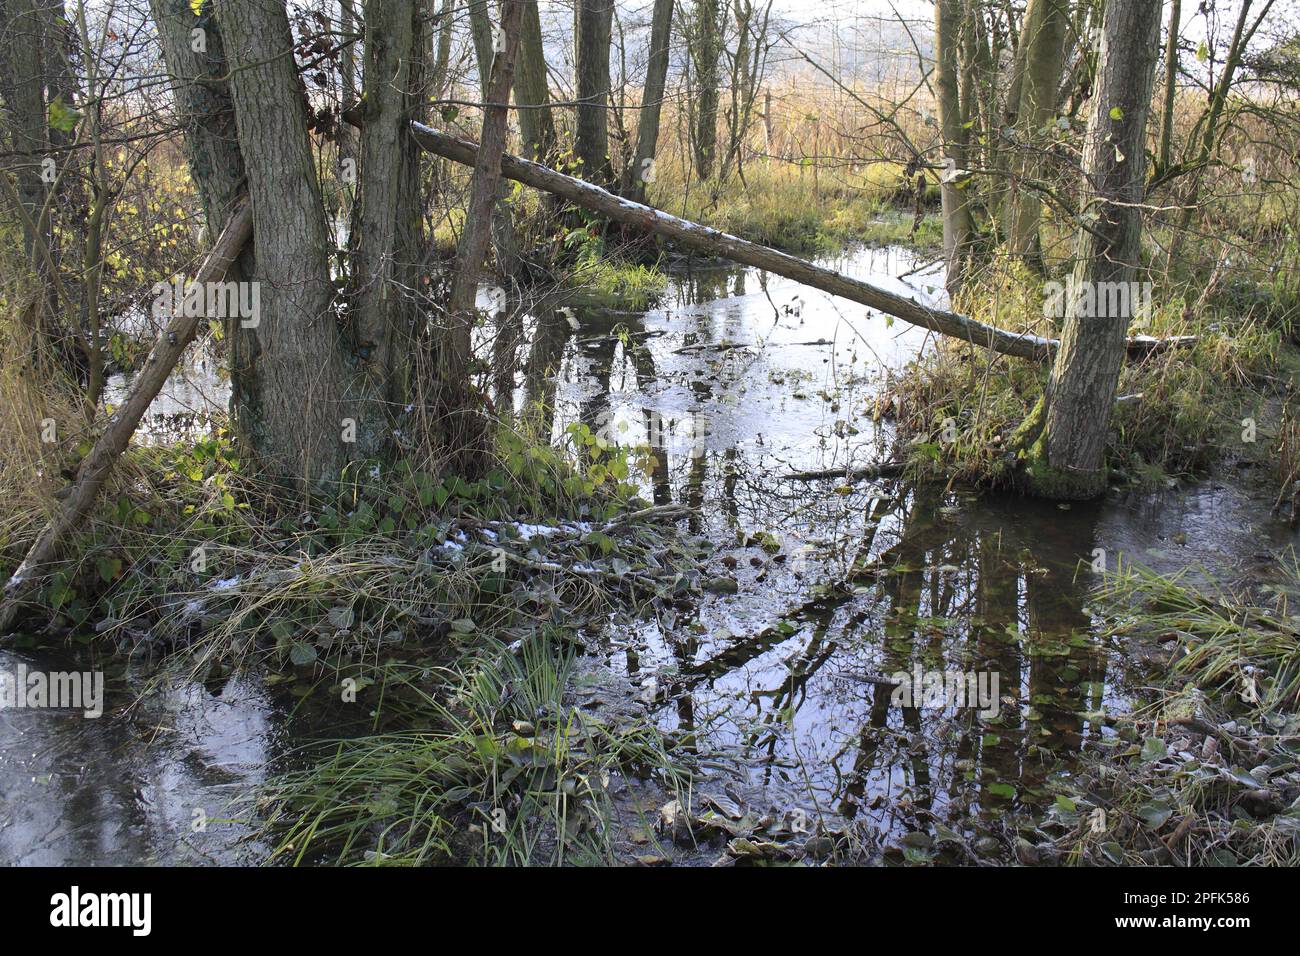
x=819 y=591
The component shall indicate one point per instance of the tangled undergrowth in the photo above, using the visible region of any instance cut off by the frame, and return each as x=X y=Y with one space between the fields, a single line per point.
x=496 y=765
x=449 y=609
x=957 y=408
x=1209 y=773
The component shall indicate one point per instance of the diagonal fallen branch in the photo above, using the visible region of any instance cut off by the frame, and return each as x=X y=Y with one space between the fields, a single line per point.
x=122 y=423
x=713 y=242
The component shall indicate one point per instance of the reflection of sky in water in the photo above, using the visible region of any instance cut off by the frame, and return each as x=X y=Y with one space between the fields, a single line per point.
x=125 y=788
x=737 y=378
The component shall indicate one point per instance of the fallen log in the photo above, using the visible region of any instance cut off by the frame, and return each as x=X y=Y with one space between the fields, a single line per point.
x=716 y=243
x=94 y=470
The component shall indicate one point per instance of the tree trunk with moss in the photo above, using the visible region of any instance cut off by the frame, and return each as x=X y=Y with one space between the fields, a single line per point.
x=1068 y=458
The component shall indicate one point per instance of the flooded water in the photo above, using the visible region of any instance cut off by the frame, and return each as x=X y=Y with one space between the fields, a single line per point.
x=820 y=591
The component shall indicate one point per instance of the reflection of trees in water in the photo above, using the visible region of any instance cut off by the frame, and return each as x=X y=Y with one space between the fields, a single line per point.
x=991 y=595
x=989 y=609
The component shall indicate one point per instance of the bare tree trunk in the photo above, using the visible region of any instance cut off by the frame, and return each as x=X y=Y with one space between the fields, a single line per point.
x=706 y=49
x=1171 y=85
x=652 y=98
x=386 y=236
x=978 y=96
x=1068 y=459
x=958 y=228
x=591 y=133
x=22 y=84
x=440 y=47
x=486 y=42
x=1043 y=44
x=532 y=96
x=289 y=399
x=29 y=62
x=464 y=433
x=348 y=23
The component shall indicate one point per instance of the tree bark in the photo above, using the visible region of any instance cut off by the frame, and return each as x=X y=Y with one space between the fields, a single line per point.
x=1068 y=460
x=958 y=227
x=386 y=234
x=440 y=47
x=463 y=433
x=1171 y=85
x=1043 y=46
x=289 y=399
x=591 y=129
x=706 y=48
x=532 y=95
x=652 y=99
x=504 y=239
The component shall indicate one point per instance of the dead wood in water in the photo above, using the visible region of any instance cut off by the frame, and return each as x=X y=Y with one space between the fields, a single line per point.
x=122 y=424
x=886 y=469
x=716 y=243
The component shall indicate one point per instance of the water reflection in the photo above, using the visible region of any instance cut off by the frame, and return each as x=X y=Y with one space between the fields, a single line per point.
x=735 y=381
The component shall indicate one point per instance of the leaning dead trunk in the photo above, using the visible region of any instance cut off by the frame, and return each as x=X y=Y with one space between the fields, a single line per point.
x=1068 y=461
x=122 y=423
x=712 y=242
